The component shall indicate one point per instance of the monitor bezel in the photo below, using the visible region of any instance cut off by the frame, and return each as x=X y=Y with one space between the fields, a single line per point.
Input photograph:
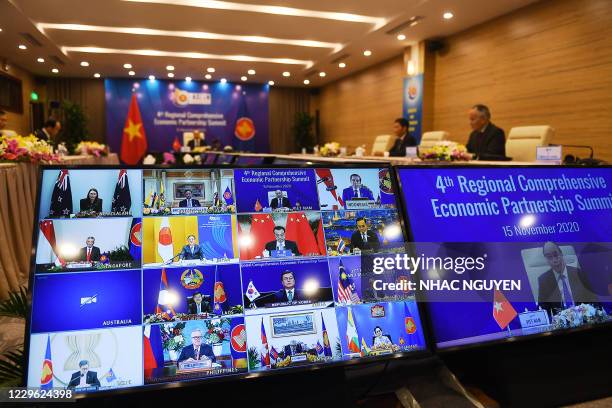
x=427 y=318
x=427 y=351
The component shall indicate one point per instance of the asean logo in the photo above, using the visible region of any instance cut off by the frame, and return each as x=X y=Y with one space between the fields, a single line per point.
x=384 y=180
x=245 y=129
x=410 y=325
x=192 y=279
x=136 y=234
x=413 y=90
x=227 y=195
x=238 y=338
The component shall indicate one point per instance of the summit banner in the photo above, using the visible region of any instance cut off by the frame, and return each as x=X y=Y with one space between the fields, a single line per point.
x=235 y=115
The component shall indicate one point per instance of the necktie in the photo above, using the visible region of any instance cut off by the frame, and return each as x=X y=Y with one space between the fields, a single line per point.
x=197 y=354
x=567 y=296
x=199 y=305
x=189 y=203
x=357 y=192
x=365 y=237
x=290 y=295
x=88 y=254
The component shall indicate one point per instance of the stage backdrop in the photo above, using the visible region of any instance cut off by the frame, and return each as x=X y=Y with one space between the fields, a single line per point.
x=236 y=115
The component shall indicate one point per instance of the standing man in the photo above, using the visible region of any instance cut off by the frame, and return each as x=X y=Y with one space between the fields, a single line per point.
x=403 y=139
x=486 y=139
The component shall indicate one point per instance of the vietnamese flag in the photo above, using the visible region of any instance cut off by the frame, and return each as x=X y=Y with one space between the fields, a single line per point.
x=503 y=312
x=262 y=232
x=298 y=230
x=134 y=142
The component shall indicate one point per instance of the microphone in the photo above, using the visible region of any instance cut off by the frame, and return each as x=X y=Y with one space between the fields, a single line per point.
x=168 y=262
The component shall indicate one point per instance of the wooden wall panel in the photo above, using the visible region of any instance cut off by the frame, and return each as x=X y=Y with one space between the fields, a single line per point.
x=548 y=63
x=355 y=109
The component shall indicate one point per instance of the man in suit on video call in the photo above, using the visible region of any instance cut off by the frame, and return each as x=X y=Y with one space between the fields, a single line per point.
x=562 y=286
x=288 y=293
x=364 y=238
x=189 y=201
x=84 y=377
x=89 y=253
x=356 y=190
x=192 y=250
x=196 y=350
x=281 y=243
x=198 y=305
x=279 y=201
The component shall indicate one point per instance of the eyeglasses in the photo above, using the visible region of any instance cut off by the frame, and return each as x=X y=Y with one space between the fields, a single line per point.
x=196 y=337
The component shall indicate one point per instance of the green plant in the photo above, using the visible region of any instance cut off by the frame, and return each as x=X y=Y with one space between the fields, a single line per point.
x=120 y=254
x=253 y=358
x=75 y=124
x=302 y=130
x=12 y=363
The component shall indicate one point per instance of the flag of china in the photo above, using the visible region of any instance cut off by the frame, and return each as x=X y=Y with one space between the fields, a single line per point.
x=134 y=142
x=503 y=312
x=262 y=232
x=298 y=230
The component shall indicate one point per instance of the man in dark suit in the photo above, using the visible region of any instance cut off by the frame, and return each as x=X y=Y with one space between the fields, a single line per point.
x=192 y=250
x=486 y=139
x=188 y=201
x=363 y=238
x=288 y=293
x=356 y=190
x=281 y=243
x=196 y=350
x=90 y=253
x=279 y=201
x=84 y=377
x=197 y=141
x=49 y=131
x=402 y=138
x=198 y=305
x=562 y=286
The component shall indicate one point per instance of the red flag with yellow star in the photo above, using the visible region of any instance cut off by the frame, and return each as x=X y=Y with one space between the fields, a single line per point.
x=134 y=142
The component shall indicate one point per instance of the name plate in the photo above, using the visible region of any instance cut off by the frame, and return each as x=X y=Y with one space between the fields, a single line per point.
x=280 y=253
x=195 y=365
x=411 y=152
x=534 y=319
x=358 y=204
x=76 y=265
x=187 y=210
x=298 y=358
x=549 y=154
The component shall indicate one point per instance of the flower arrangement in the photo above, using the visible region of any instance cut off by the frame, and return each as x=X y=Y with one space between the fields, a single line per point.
x=445 y=151
x=217 y=330
x=331 y=149
x=92 y=149
x=27 y=149
x=172 y=336
x=578 y=315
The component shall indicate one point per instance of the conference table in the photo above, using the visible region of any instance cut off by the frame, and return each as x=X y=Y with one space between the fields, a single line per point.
x=18 y=190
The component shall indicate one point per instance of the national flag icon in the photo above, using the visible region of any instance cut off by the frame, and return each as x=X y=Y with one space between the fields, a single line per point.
x=122 y=198
x=244 y=127
x=48 y=230
x=274 y=354
x=162 y=200
x=319 y=348
x=110 y=376
x=219 y=295
x=134 y=142
x=341 y=245
x=402 y=341
x=409 y=323
x=136 y=239
x=176 y=145
x=164 y=305
x=228 y=197
x=46 y=378
x=61 y=197
x=503 y=312
x=252 y=293
x=345 y=285
x=327 y=351
x=165 y=247
x=104 y=259
x=352 y=338
x=258 y=206
x=364 y=347
x=150 y=362
x=265 y=354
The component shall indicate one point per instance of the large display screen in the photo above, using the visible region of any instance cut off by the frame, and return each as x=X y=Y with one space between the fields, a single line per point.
x=528 y=249
x=159 y=275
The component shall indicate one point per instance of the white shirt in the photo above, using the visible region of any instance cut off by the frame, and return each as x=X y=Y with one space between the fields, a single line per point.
x=560 y=283
x=280 y=245
x=83 y=381
x=364 y=237
x=382 y=341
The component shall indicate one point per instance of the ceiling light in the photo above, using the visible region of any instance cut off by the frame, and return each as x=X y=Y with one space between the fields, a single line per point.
x=96 y=75
x=127 y=66
x=41 y=60
x=271 y=83
x=251 y=72
x=210 y=69
x=277 y=10
x=188 y=79
x=170 y=75
x=448 y=15
x=223 y=80
x=22 y=47
x=401 y=37
x=194 y=55
x=322 y=74
x=342 y=65
x=367 y=53
x=131 y=73
x=306 y=82
x=55 y=70
x=208 y=76
x=243 y=78
x=286 y=74
x=151 y=77
x=170 y=67
x=84 y=63
x=190 y=34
